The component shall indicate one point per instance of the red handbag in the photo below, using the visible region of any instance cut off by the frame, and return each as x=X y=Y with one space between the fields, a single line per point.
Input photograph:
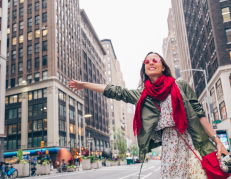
x=210 y=164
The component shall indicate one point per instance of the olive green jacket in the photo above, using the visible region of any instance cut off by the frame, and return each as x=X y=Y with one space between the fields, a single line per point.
x=150 y=117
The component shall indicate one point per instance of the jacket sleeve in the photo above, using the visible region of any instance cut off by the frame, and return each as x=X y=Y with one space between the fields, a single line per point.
x=119 y=93
x=192 y=97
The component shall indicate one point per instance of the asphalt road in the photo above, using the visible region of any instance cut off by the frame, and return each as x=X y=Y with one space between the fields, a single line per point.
x=150 y=170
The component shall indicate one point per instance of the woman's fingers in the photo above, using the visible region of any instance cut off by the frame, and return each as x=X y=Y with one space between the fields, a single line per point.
x=218 y=151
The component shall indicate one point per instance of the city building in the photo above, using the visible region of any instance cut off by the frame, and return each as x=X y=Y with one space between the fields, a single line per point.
x=94 y=71
x=182 y=41
x=47 y=46
x=129 y=123
x=116 y=109
x=3 y=40
x=169 y=47
x=208 y=28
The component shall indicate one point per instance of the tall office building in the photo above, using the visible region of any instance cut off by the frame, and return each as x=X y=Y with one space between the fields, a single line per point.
x=46 y=48
x=3 y=39
x=116 y=109
x=129 y=123
x=169 y=47
x=208 y=27
x=93 y=71
x=182 y=41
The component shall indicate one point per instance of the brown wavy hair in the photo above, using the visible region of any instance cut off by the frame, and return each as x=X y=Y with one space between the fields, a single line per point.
x=144 y=77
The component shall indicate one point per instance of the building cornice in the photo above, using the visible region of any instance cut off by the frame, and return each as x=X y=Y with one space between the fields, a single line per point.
x=108 y=40
x=216 y=75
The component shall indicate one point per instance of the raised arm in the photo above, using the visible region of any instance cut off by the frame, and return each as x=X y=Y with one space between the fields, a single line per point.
x=78 y=85
x=109 y=91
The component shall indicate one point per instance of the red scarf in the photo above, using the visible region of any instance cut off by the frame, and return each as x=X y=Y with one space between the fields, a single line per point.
x=159 y=91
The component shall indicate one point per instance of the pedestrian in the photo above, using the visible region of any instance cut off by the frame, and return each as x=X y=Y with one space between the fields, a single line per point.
x=51 y=164
x=167 y=113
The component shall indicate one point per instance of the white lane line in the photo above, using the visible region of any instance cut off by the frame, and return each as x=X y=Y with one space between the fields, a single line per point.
x=157 y=169
x=136 y=173
x=146 y=176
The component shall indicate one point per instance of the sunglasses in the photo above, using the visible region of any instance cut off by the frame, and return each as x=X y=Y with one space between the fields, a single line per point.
x=155 y=60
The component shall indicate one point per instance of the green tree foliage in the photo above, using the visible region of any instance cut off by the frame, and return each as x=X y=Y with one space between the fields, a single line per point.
x=134 y=150
x=120 y=141
x=20 y=154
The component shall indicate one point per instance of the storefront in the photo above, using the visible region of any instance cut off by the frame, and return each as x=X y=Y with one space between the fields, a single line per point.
x=49 y=153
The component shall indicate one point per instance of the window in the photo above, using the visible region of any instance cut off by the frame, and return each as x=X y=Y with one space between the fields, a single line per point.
x=20 y=25
x=14 y=27
x=44 y=60
x=71 y=114
x=21 y=39
x=21 y=12
x=57 y=47
x=8 y=30
x=14 y=2
x=21 y=1
x=13 y=113
x=29 y=65
x=45 y=31
x=228 y=35
x=44 y=75
x=44 y=17
x=109 y=79
x=20 y=66
x=29 y=36
x=219 y=88
x=37 y=33
x=37 y=49
x=225 y=14
x=58 y=62
x=13 y=54
x=58 y=75
x=36 y=77
x=29 y=23
x=44 y=45
x=29 y=50
x=44 y=3
x=112 y=107
x=37 y=6
x=36 y=64
x=222 y=110
x=12 y=82
x=14 y=41
x=212 y=93
x=13 y=69
x=29 y=9
x=216 y=115
x=19 y=81
x=108 y=58
x=37 y=19
x=29 y=79
x=109 y=65
x=62 y=110
x=15 y=14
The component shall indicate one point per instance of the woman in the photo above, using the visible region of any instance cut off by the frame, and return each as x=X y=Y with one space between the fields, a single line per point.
x=166 y=110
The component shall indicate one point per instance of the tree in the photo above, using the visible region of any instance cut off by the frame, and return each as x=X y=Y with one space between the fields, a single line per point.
x=134 y=150
x=121 y=142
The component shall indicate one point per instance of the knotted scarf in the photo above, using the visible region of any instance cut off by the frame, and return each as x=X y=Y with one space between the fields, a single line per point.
x=159 y=90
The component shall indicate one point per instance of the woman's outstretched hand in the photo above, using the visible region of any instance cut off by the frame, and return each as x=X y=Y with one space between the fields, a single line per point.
x=77 y=85
x=220 y=148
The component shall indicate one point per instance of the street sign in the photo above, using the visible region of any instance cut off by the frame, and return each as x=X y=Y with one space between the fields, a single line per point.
x=217 y=121
x=208 y=99
x=214 y=127
x=89 y=140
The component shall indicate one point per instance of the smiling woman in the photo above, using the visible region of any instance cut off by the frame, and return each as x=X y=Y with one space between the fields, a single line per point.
x=168 y=114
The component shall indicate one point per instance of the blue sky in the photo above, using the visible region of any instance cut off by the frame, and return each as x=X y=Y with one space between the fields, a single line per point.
x=135 y=28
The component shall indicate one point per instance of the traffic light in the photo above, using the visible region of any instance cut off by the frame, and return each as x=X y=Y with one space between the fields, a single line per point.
x=47 y=151
x=41 y=152
x=135 y=152
x=153 y=153
x=42 y=144
x=77 y=153
x=82 y=148
x=38 y=153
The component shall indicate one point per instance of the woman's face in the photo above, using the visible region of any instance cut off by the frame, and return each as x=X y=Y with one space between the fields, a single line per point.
x=154 y=69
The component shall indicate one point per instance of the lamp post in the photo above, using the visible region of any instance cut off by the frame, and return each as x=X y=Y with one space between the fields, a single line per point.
x=207 y=90
x=80 y=147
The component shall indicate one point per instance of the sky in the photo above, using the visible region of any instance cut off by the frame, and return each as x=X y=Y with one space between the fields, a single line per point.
x=135 y=28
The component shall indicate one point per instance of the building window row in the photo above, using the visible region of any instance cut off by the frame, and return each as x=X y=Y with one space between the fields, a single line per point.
x=37 y=109
x=37 y=94
x=17 y=98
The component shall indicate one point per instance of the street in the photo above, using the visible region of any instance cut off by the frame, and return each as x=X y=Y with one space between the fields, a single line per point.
x=150 y=170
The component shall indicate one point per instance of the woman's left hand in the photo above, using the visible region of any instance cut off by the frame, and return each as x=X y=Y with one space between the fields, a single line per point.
x=220 y=148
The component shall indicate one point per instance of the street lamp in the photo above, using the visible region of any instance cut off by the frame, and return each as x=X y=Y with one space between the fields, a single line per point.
x=206 y=85
x=86 y=116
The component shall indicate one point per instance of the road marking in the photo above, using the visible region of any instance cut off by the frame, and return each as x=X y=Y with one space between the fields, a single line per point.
x=157 y=169
x=146 y=176
x=136 y=173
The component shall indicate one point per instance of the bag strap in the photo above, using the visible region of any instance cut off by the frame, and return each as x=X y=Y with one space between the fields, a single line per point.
x=186 y=143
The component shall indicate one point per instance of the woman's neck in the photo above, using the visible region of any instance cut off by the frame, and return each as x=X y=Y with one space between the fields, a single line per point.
x=154 y=78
